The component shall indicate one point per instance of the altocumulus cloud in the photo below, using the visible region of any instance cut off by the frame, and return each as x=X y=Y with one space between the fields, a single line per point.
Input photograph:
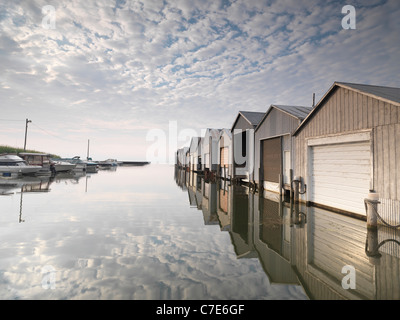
x=197 y=62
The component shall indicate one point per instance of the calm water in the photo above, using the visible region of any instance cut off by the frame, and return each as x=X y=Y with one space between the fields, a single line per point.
x=156 y=233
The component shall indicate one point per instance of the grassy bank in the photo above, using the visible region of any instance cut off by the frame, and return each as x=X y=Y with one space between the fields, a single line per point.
x=8 y=149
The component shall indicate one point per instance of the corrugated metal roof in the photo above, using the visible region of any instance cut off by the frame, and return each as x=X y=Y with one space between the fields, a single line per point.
x=300 y=112
x=253 y=117
x=389 y=93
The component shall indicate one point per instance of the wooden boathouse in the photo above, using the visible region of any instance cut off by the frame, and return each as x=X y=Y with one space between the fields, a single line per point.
x=274 y=146
x=225 y=154
x=195 y=154
x=243 y=144
x=348 y=145
x=209 y=150
x=181 y=157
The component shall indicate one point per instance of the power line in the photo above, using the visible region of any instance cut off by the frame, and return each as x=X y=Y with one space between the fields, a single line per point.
x=49 y=133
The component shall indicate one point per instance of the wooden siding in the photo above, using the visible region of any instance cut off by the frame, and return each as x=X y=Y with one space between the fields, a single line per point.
x=277 y=123
x=387 y=160
x=346 y=111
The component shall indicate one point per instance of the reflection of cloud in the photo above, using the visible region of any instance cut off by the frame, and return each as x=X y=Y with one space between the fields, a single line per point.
x=148 y=252
x=143 y=267
x=126 y=197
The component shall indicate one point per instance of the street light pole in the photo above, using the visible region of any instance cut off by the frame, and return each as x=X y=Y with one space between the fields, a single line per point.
x=26 y=131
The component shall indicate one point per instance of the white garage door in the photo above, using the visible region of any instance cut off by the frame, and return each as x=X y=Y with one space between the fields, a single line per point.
x=341 y=175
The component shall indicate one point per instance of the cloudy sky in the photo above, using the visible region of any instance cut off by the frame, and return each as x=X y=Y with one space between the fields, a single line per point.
x=129 y=75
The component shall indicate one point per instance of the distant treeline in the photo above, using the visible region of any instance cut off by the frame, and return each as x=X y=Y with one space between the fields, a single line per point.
x=8 y=149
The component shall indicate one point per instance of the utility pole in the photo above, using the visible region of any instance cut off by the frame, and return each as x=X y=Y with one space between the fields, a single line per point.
x=26 y=131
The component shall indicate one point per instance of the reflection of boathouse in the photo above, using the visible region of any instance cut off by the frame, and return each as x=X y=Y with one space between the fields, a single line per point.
x=242 y=223
x=224 y=204
x=272 y=238
x=305 y=246
x=209 y=202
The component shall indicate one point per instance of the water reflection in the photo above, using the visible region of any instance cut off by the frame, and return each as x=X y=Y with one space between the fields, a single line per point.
x=39 y=184
x=299 y=245
x=126 y=234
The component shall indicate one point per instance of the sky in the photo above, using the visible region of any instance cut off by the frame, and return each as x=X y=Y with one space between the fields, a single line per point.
x=138 y=79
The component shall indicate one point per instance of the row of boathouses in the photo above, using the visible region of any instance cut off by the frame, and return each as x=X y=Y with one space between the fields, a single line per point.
x=332 y=155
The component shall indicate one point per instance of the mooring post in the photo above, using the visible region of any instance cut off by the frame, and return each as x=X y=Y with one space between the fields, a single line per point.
x=296 y=188
x=371 y=206
x=372 y=246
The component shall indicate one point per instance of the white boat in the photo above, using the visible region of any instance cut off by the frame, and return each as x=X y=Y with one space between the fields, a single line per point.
x=88 y=166
x=79 y=164
x=108 y=163
x=12 y=165
x=63 y=166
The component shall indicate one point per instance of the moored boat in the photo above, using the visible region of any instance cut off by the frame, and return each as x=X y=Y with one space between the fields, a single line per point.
x=38 y=159
x=88 y=166
x=109 y=163
x=13 y=165
x=63 y=166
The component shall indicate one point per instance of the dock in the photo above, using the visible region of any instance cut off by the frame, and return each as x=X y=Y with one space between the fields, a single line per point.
x=134 y=163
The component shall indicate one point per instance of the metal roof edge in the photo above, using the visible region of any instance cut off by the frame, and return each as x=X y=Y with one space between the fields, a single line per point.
x=347 y=85
x=240 y=113
x=276 y=106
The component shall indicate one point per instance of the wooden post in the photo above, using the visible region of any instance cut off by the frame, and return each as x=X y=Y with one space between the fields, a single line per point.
x=291 y=184
x=371 y=206
x=296 y=189
x=372 y=246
